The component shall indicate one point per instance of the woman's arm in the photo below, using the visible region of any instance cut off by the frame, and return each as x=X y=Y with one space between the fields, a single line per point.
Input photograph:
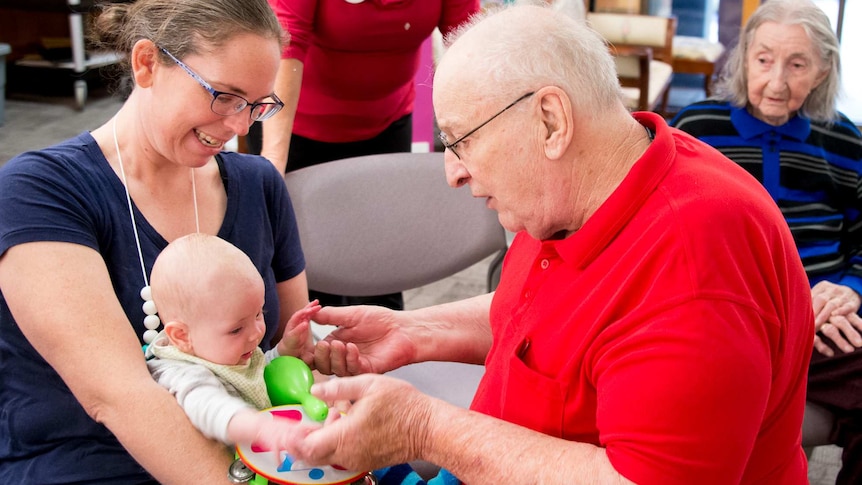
x=297 y=18
x=277 y=130
x=62 y=298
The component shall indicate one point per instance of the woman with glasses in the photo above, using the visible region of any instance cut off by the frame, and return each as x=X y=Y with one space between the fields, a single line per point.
x=81 y=224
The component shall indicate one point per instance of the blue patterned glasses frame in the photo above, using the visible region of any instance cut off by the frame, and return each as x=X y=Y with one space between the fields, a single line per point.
x=228 y=104
x=451 y=146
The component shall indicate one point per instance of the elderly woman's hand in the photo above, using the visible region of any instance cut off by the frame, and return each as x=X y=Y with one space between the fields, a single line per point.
x=835 y=317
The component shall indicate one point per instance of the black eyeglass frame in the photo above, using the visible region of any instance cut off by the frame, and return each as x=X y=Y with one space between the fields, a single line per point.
x=264 y=110
x=451 y=146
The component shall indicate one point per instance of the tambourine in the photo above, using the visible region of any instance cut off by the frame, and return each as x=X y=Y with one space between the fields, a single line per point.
x=260 y=467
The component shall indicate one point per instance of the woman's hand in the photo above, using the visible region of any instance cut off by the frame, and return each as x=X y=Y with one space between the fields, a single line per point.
x=835 y=317
x=368 y=339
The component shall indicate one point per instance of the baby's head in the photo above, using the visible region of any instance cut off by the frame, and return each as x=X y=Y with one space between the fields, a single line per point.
x=210 y=297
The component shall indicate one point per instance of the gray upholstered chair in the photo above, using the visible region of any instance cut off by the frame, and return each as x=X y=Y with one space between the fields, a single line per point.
x=388 y=223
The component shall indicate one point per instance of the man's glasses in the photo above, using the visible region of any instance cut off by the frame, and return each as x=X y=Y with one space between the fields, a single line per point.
x=451 y=146
x=228 y=104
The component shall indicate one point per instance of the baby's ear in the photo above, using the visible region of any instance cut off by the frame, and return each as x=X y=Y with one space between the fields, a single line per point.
x=178 y=334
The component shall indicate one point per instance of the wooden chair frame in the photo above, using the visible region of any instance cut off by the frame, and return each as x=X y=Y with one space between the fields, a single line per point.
x=630 y=47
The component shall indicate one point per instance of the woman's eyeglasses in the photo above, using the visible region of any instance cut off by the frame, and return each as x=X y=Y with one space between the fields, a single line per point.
x=228 y=104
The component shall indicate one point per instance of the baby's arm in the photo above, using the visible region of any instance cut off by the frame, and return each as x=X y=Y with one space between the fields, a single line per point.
x=267 y=431
x=221 y=416
x=296 y=333
x=199 y=392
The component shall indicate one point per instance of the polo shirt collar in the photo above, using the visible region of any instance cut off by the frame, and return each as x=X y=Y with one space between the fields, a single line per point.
x=602 y=227
x=750 y=127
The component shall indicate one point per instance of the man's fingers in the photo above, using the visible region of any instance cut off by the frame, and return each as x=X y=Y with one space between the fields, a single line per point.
x=338 y=358
x=352 y=358
x=343 y=389
x=321 y=357
x=335 y=316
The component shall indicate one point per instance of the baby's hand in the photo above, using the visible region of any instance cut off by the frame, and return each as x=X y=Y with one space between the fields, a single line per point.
x=283 y=435
x=296 y=340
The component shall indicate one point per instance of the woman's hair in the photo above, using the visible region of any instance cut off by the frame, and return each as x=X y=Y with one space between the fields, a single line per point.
x=820 y=103
x=553 y=49
x=182 y=27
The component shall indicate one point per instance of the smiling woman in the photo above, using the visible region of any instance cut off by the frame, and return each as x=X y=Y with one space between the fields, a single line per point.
x=88 y=217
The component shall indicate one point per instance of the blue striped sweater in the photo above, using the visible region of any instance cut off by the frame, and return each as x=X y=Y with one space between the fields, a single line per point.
x=813 y=172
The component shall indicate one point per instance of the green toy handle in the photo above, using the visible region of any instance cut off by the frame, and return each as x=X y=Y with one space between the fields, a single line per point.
x=288 y=381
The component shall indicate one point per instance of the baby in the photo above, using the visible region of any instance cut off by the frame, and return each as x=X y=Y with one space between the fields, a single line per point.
x=210 y=297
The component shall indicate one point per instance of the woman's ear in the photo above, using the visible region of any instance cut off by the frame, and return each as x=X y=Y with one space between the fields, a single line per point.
x=178 y=334
x=144 y=57
x=820 y=78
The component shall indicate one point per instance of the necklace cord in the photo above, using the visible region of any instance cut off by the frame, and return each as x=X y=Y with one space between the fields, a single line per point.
x=195 y=202
x=129 y=200
x=151 y=321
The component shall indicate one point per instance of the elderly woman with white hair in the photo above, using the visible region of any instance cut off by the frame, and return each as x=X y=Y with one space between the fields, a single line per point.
x=774 y=113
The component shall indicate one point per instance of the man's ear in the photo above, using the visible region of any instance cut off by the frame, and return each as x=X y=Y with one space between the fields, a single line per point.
x=178 y=334
x=144 y=57
x=557 y=118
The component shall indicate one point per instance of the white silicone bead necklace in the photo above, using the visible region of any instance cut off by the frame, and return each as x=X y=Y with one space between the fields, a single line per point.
x=151 y=321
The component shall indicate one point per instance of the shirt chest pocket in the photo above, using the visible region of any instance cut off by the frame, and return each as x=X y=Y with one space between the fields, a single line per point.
x=533 y=400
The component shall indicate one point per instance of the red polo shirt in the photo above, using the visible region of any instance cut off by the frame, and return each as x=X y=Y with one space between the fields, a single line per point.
x=360 y=60
x=673 y=329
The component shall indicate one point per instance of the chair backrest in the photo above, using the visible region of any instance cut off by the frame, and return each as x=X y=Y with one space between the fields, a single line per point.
x=653 y=31
x=642 y=46
x=387 y=223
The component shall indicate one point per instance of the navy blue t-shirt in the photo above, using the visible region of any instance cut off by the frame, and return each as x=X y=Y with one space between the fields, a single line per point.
x=69 y=193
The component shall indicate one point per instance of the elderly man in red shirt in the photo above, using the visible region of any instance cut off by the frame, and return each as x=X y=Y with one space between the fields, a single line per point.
x=653 y=322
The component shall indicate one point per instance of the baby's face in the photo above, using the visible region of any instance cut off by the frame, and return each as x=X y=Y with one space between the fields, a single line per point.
x=229 y=326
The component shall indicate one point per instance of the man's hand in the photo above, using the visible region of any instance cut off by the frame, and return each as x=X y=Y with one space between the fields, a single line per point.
x=368 y=339
x=385 y=425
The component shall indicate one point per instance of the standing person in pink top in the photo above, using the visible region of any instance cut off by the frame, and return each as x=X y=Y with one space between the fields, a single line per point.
x=347 y=81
